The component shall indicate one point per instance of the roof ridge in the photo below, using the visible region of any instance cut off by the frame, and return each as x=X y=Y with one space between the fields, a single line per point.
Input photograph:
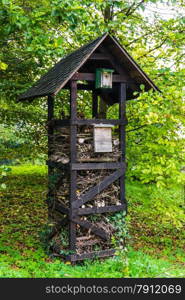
x=85 y=45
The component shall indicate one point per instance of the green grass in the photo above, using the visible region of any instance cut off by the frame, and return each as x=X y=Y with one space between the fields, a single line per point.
x=35 y=264
x=155 y=221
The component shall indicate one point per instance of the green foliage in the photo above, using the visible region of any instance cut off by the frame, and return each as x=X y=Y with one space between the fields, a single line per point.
x=118 y=220
x=154 y=221
x=155 y=137
x=34 y=36
x=156 y=216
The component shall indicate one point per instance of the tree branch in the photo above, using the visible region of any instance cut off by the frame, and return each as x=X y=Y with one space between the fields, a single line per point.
x=155 y=48
x=129 y=11
x=139 y=127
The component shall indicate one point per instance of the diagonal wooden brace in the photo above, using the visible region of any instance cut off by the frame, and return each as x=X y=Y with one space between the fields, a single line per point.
x=93 y=228
x=98 y=188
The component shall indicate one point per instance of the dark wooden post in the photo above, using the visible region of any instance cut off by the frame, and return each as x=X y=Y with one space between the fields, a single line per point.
x=50 y=140
x=122 y=116
x=73 y=133
x=94 y=104
x=102 y=112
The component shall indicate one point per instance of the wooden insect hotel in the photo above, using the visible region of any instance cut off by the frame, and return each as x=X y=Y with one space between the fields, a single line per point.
x=86 y=156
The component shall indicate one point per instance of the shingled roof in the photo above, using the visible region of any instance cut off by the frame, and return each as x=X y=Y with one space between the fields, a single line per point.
x=55 y=79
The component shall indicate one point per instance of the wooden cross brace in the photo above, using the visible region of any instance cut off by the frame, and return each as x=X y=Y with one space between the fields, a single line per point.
x=73 y=213
x=98 y=188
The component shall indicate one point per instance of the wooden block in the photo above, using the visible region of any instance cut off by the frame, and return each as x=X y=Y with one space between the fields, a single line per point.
x=103 y=138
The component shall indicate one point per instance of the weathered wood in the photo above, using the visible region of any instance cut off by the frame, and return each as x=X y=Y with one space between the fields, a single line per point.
x=50 y=195
x=73 y=133
x=81 y=86
x=102 y=109
x=63 y=123
x=97 y=166
x=99 y=121
x=89 y=242
x=91 y=77
x=87 y=166
x=100 y=210
x=91 y=255
x=98 y=188
x=96 y=159
x=75 y=212
x=50 y=107
x=93 y=228
x=94 y=104
x=50 y=117
x=102 y=138
x=98 y=56
x=122 y=116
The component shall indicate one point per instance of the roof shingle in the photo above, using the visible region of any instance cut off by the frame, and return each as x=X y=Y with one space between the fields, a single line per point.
x=56 y=77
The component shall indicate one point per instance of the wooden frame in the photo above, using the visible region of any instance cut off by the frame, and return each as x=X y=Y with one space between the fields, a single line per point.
x=75 y=211
x=92 y=192
x=50 y=196
x=122 y=116
x=79 y=71
x=73 y=132
x=91 y=255
x=91 y=77
x=63 y=123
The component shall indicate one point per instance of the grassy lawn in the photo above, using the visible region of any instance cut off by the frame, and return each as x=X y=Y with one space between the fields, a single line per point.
x=155 y=222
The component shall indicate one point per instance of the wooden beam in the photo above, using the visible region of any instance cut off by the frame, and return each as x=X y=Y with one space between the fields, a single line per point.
x=97 y=166
x=98 y=188
x=66 y=122
x=122 y=116
x=50 y=107
x=94 y=104
x=93 y=228
x=50 y=117
x=81 y=86
x=99 y=121
x=91 y=255
x=99 y=56
x=85 y=87
x=100 y=210
x=73 y=133
x=50 y=196
x=96 y=159
x=91 y=77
